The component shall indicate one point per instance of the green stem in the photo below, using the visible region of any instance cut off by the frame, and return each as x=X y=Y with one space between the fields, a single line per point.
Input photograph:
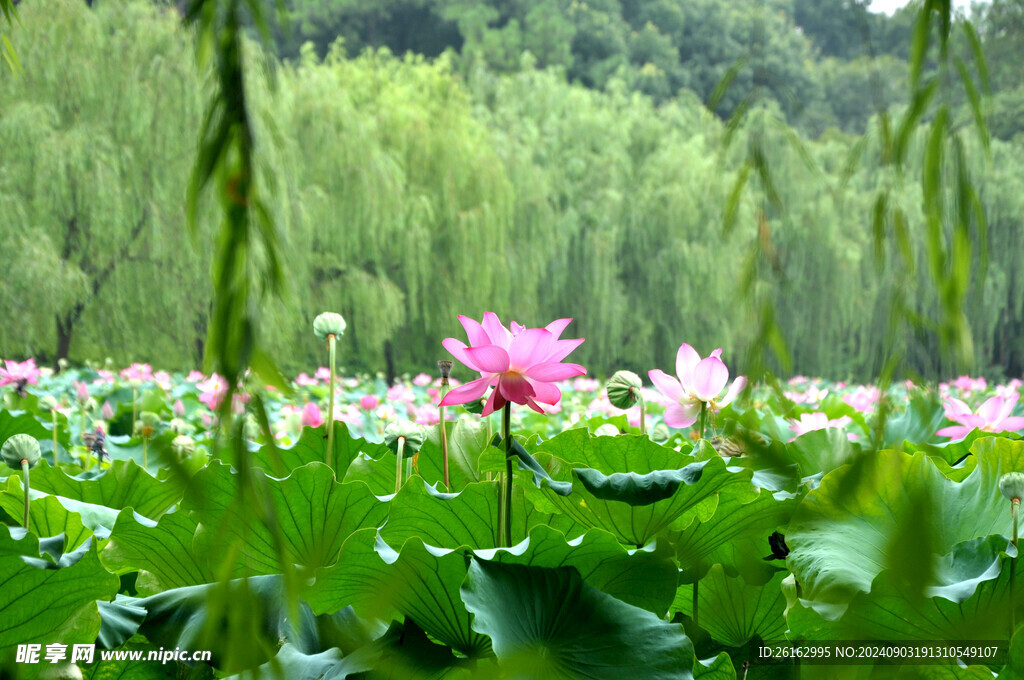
x=135 y=396
x=1015 y=511
x=643 y=414
x=145 y=453
x=506 y=426
x=24 y=472
x=53 y=420
x=703 y=417
x=695 y=584
x=330 y=406
x=501 y=508
x=398 y=468
x=444 y=438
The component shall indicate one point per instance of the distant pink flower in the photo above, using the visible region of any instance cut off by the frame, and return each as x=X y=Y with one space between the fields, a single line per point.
x=24 y=372
x=105 y=376
x=401 y=392
x=178 y=409
x=162 y=379
x=369 y=402
x=304 y=380
x=138 y=372
x=520 y=364
x=1009 y=389
x=699 y=381
x=992 y=416
x=212 y=391
x=810 y=422
x=586 y=385
x=863 y=398
x=425 y=414
x=107 y=412
x=434 y=395
x=194 y=376
x=311 y=415
x=422 y=380
x=323 y=374
x=81 y=391
x=796 y=380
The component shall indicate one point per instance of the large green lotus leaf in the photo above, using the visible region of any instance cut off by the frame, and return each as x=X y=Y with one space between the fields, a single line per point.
x=123 y=485
x=918 y=422
x=821 y=451
x=467 y=518
x=644 y=577
x=181 y=618
x=119 y=621
x=46 y=515
x=733 y=611
x=967 y=600
x=376 y=473
x=421 y=583
x=955 y=450
x=312 y=447
x=130 y=670
x=716 y=668
x=638 y=524
x=313 y=513
x=155 y=453
x=736 y=536
x=163 y=549
x=608 y=455
x=843 y=534
x=12 y=423
x=547 y=623
x=43 y=604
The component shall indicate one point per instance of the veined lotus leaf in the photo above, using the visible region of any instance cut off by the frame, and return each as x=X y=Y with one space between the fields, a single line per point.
x=548 y=624
x=314 y=513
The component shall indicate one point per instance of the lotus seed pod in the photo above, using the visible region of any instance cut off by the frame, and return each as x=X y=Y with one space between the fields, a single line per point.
x=328 y=323
x=660 y=433
x=414 y=435
x=183 y=446
x=1012 y=485
x=445 y=367
x=624 y=389
x=149 y=418
x=20 y=447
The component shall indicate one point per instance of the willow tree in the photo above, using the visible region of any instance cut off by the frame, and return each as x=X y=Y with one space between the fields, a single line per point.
x=98 y=137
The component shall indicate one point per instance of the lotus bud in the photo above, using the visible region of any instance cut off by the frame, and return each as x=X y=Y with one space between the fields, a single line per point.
x=661 y=433
x=179 y=409
x=179 y=426
x=413 y=434
x=1012 y=485
x=329 y=323
x=107 y=412
x=624 y=389
x=20 y=447
x=183 y=446
x=82 y=392
x=62 y=364
x=49 y=403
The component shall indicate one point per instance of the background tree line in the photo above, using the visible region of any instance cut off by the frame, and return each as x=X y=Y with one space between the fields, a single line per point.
x=410 y=189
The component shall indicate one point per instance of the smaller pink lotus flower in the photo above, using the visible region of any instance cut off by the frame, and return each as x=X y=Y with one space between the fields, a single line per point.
x=312 y=416
x=107 y=412
x=992 y=416
x=1009 y=389
x=20 y=373
x=303 y=380
x=138 y=372
x=810 y=422
x=212 y=391
x=368 y=402
x=323 y=374
x=699 y=381
x=863 y=398
x=586 y=385
x=422 y=380
x=162 y=379
x=178 y=409
x=521 y=364
x=81 y=392
x=402 y=393
x=194 y=376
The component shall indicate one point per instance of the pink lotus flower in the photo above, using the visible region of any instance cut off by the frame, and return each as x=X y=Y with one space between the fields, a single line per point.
x=520 y=364
x=107 y=412
x=304 y=380
x=212 y=391
x=422 y=380
x=138 y=372
x=368 y=402
x=700 y=381
x=863 y=398
x=194 y=376
x=81 y=391
x=179 y=409
x=24 y=373
x=992 y=416
x=311 y=415
x=323 y=374
x=809 y=422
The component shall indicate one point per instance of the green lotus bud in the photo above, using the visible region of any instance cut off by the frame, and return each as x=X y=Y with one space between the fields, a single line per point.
x=49 y=403
x=1012 y=485
x=329 y=323
x=624 y=389
x=179 y=426
x=183 y=446
x=20 y=447
x=414 y=435
x=661 y=433
x=149 y=418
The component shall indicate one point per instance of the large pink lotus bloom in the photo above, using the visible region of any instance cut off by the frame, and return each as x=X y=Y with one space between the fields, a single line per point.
x=809 y=422
x=311 y=415
x=699 y=381
x=138 y=372
x=520 y=364
x=24 y=372
x=992 y=416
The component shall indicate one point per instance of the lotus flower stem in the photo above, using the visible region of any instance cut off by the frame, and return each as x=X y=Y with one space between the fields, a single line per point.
x=24 y=471
x=53 y=421
x=446 y=368
x=330 y=406
x=398 y=467
x=695 y=584
x=135 y=409
x=703 y=423
x=506 y=426
x=145 y=452
x=643 y=413
x=1015 y=511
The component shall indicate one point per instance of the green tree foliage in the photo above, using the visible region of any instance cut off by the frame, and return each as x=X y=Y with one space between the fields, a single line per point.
x=97 y=137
